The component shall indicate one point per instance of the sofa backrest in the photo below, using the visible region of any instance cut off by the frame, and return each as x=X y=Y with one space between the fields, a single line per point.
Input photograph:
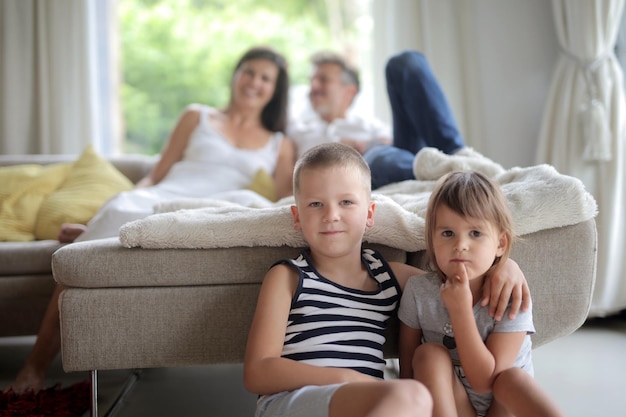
x=134 y=166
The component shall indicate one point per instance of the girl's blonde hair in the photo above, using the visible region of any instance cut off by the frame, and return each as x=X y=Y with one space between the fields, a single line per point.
x=470 y=194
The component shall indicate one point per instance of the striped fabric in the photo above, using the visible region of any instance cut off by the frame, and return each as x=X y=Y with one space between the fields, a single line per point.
x=333 y=326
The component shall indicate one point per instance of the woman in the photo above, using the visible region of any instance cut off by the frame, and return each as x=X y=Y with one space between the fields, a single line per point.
x=210 y=153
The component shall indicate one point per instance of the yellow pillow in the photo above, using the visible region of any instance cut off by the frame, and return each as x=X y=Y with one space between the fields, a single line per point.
x=90 y=183
x=264 y=184
x=24 y=187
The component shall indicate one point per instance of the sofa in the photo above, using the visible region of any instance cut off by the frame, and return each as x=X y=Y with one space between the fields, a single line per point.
x=26 y=281
x=138 y=307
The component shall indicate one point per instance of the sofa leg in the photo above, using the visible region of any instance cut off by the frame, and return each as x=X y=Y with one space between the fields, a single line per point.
x=126 y=389
x=128 y=386
x=94 y=392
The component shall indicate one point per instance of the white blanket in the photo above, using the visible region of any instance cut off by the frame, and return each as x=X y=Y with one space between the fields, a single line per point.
x=539 y=197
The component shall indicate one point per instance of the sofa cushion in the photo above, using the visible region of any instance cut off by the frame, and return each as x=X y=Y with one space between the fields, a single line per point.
x=36 y=199
x=91 y=181
x=24 y=188
x=263 y=184
x=23 y=258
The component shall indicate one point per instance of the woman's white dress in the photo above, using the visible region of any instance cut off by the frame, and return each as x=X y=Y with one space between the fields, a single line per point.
x=211 y=168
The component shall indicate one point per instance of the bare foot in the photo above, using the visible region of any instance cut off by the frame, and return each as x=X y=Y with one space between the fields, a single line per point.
x=28 y=379
x=70 y=231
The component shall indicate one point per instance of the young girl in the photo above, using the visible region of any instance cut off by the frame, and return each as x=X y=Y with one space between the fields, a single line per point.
x=472 y=364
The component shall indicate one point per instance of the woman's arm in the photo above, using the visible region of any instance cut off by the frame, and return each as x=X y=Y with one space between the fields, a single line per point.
x=174 y=148
x=283 y=174
x=508 y=283
x=265 y=371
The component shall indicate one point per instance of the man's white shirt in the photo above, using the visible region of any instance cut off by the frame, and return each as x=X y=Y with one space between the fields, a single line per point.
x=312 y=131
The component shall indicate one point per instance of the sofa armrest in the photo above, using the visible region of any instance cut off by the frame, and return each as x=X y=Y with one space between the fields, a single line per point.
x=560 y=266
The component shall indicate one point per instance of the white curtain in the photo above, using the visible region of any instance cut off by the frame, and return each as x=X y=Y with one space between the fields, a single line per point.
x=57 y=77
x=582 y=133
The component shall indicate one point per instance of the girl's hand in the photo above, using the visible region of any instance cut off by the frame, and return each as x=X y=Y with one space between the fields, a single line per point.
x=455 y=291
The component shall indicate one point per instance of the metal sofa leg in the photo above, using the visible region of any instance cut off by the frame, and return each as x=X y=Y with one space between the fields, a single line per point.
x=94 y=392
x=117 y=403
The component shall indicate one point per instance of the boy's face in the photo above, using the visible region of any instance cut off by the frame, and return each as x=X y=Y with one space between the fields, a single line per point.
x=333 y=209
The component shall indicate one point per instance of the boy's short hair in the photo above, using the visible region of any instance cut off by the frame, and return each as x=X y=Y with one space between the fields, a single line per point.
x=332 y=154
x=349 y=73
x=470 y=194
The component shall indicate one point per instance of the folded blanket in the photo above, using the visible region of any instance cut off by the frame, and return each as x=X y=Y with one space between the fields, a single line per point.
x=539 y=197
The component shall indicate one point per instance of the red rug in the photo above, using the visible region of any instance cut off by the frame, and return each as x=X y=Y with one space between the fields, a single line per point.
x=72 y=401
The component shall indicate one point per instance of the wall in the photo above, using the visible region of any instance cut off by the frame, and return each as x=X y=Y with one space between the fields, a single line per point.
x=494 y=59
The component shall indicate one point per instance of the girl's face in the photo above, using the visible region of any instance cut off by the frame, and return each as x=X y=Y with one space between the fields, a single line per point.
x=473 y=242
x=333 y=209
x=254 y=83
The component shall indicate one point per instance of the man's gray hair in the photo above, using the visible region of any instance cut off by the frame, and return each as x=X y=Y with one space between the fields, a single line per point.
x=349 y=73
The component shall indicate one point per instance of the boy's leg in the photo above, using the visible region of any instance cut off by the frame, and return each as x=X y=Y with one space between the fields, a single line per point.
x=521 y=395
x=421 y=114
x=433 y=367
x=398 y=398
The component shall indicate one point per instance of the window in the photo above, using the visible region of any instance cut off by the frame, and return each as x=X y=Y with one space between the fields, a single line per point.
x=177 y=52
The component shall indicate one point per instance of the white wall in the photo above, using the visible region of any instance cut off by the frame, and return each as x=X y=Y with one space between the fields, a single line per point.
x=494 y=59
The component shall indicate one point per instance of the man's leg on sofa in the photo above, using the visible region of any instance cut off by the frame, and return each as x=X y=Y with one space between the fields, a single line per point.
x=420 y=111
x=45 y=349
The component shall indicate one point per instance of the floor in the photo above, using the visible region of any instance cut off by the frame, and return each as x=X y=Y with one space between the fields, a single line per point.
x=583 y=372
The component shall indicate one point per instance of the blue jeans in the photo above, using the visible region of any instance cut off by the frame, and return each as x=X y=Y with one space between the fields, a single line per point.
x=421 y=117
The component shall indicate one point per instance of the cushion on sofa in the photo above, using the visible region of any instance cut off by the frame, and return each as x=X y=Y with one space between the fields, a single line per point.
x=264 y=185
x=24 y=189
x=91 y=181
x=36 y=199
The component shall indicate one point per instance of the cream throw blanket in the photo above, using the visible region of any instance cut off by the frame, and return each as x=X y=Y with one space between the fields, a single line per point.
x=539 y=198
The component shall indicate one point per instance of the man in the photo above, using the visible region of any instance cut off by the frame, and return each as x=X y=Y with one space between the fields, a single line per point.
x=421 y=115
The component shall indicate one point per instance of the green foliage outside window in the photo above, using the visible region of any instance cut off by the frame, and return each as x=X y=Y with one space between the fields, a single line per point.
x=177 y=52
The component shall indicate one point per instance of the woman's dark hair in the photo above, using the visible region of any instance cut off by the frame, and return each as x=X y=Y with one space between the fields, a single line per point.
x=274 y=114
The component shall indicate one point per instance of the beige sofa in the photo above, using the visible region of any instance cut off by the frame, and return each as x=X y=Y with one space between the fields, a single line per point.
x=142 y=308
x=26 y=281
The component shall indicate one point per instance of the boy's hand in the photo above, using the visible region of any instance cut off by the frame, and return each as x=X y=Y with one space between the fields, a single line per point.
x=507 y=284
